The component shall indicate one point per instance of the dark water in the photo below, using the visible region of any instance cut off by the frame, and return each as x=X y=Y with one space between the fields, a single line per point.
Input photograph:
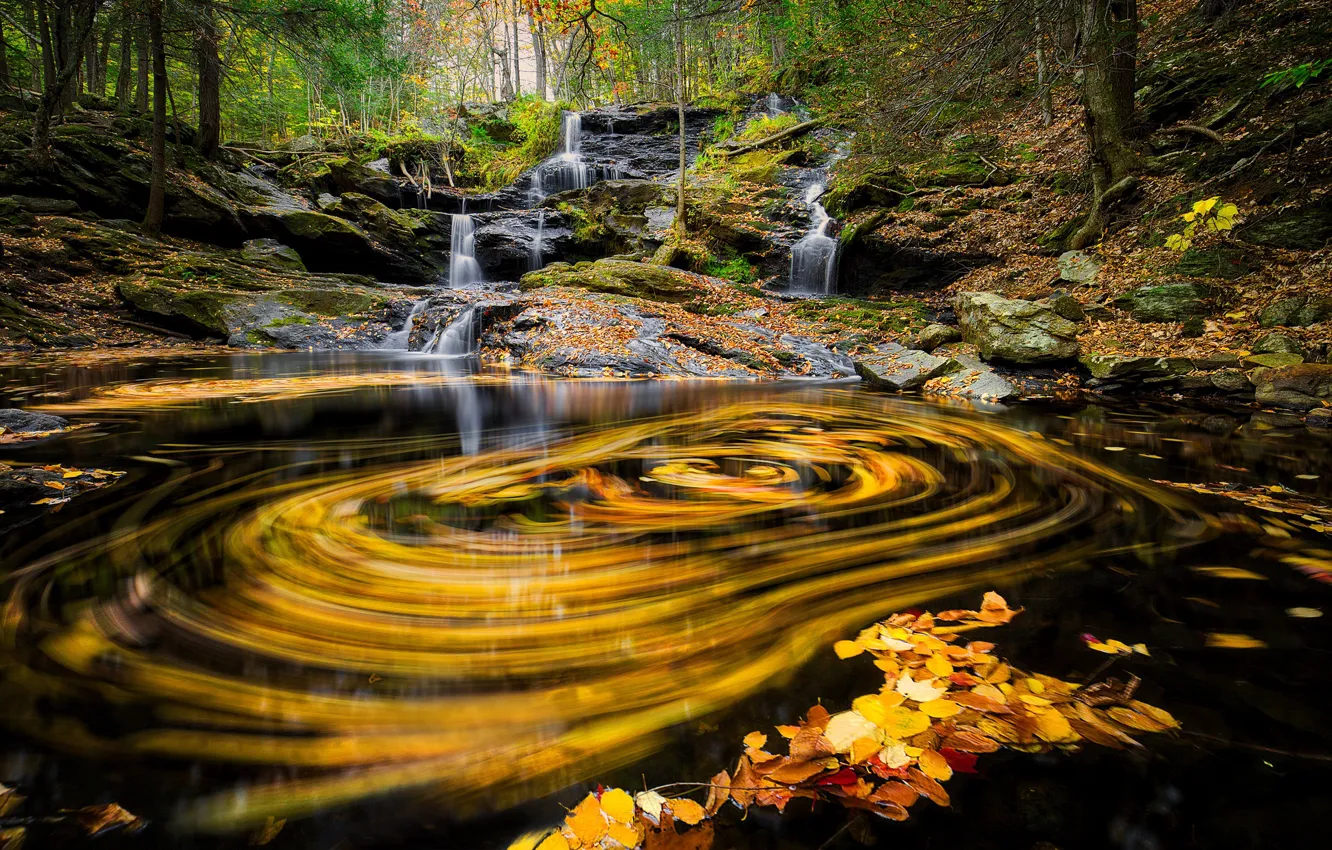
x=404 y=604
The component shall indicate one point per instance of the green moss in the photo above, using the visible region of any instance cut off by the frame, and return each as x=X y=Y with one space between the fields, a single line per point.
x=734 y=268
x=286 y=321
x=616 y=277
x=329 y=302
x=859 y=314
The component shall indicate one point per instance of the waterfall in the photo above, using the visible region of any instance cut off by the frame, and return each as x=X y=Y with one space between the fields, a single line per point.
x=814 y=257
x=774 y=105
x=458 y=338
x=463 y=267
x=538 y=258
x=400 y=339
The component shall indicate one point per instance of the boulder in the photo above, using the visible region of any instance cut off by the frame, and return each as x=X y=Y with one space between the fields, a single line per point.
x=936 y=335
x=23 y=421
x=1079 y=266
x=1301 y=387
x=1117 y=367
x=1170 y=302
x=617 y=277
x=892 y=367
x=1319 y=418
x=1305 y=228
x=272 y=254
x=1230 y=381
x=973 y=379
x=1297 y=312
x=1275 y=343
x=350 y=176
x=1271 y=361
x=1015 y=331
x=1065 y=305
x=305 y=144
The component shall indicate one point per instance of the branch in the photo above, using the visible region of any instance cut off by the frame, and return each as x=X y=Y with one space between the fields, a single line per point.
x=1196 y=130
x=789 y=133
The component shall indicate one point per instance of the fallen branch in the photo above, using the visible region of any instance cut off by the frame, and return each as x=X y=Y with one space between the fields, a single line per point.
x=789 y=133
x=1196 y=130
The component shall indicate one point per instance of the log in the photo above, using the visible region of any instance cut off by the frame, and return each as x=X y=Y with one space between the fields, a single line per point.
x=789 y=133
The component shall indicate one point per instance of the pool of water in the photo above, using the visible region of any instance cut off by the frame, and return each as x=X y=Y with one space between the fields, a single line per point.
x=401 y=601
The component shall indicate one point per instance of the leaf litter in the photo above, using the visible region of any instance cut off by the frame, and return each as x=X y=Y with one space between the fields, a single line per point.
x=944 y=702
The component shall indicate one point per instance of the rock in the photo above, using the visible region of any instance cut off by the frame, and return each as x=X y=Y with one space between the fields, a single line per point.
x=936 y=335
x=305 y=144
x=1314 y=311
x=618 y=277
x=1305 y=228
x=1216 y=361
x=1193 y=327
x=1116 y=367
x=350 y=176
x=1066 y=306
x=272 y=254
x=1272 y=361
x=1320 y=418
x=45 y=206
x=1015 y=331
x=325 y=201
x=1275 y=343
x=1079 y=266
x=1298 y=312
x=1230 y=381
x=892 y=367
x=201 y=310
x=24 y=421
x=1302 y=387
x=973 y=379
x=1171 y=302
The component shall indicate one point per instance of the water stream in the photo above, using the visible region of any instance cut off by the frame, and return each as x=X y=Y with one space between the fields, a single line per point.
x=358 y=592
x=464 y=270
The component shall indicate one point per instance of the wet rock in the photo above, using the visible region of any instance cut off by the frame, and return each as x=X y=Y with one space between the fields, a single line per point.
x=1079 y=266
x=1230 y=381
x=45 y=206
x=22 y=421
x=505 y=241
x=1118 y=367
x=1320 y=419
x=973 y=379
x=617 y=277
x=1216 y=361
x=897 y=369
x=1273 y=360
x=1171 y=302
x=935 y=335
x=1275 y=343
x=272 y=254
x=1015 y=331
x=1302 y=387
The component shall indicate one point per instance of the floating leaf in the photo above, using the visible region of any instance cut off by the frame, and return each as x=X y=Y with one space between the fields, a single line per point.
x=902 y=722
x=935 y=766
x=687 y=811
x=940 y=708
x=847 y=649
x=618 y=805
x=1231 y=640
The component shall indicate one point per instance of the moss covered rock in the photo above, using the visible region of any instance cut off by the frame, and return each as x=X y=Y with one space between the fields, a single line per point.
x=617 y=277
x=1015 y=331
x=1171 y=302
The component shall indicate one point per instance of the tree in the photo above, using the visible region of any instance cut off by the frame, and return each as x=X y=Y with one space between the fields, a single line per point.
x=152 y=220
x=80 y=16
x=206 y=39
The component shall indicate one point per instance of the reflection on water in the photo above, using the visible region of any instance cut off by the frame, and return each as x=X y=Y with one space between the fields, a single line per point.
x=491 y=588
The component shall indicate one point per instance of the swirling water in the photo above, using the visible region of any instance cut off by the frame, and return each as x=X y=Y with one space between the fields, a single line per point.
x=382 y=598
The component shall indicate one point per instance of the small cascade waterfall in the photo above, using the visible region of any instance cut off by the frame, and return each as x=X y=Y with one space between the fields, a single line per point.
x=400 y=339
x=456 y=339
x=568 y=169
x=538 y=250
x=464 y=270
x=814 y=257
x=774 y=105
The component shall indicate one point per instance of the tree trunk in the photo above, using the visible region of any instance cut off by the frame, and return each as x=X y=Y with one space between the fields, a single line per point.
x=680 y=224
x=539 y=51
x=141 y=89
x=103 y=60
x=90 y=63
x=152 y=220
x=4 y=58
x=125 y=73
x=48 y=53
x=1109 y=59
x=60 y=81
x=1043 y=76
x=517 y=53
x=210 y=84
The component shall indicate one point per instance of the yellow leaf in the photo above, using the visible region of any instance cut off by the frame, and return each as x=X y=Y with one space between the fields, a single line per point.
x=1036 y=686
x=687 y=811
x=1228 y=640
x=935 y=766
x=939 y=666
x=1032 y=699
x=624 y=834
x=618 y=805
x=586 y=821
x=863 y=749
x=1230 y=572
x=1103 y=647
x=554 y=841
x=755 y=740
x=54 y=485
x=870 y=707
x=887 y=665
x=847 y=649
x=73 y=473
x=1054 y=727
x=940 y=708
x=902 y=722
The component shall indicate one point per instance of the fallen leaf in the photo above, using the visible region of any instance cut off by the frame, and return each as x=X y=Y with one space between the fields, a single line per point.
x=935 y=766
x=687 y=811
x=847 y=649
x=618 y=805
x=586 y=821
x=1231 y=640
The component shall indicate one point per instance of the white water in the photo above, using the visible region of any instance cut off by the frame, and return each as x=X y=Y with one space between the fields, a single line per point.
x=457 y=338
x=400 y=339
x=538 y=256
x=464 y=270
x=568 y=169
x=814 y=257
